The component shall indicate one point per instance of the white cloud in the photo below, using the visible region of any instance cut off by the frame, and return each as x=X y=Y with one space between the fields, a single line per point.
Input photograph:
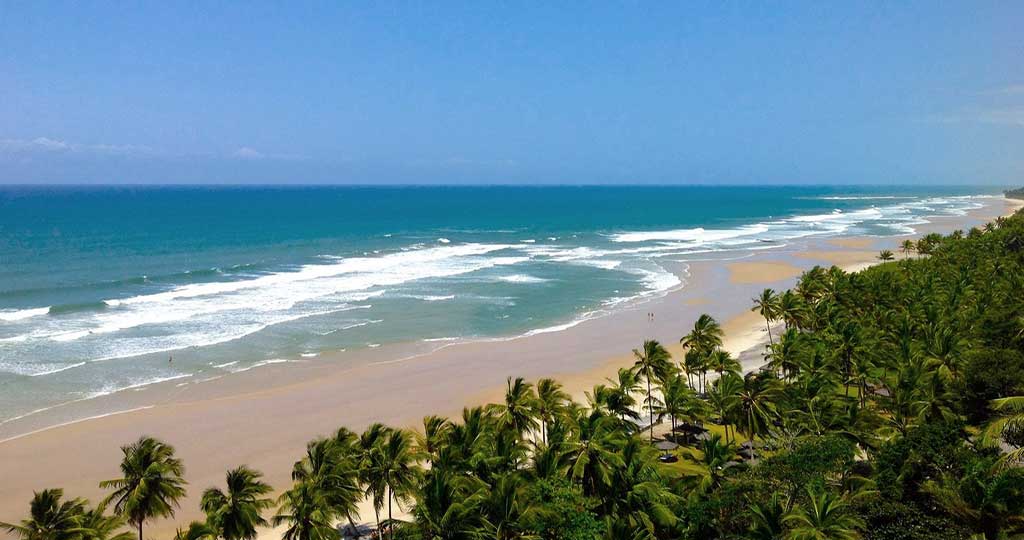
x=48 y=145
x=247 y=153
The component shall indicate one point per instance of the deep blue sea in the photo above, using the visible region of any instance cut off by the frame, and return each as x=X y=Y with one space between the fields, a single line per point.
x=100 y=285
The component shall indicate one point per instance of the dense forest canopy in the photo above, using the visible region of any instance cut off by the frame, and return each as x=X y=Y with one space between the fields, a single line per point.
x=886 y=411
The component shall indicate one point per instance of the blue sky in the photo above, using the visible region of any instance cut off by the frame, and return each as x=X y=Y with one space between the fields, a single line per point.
x=523 y=92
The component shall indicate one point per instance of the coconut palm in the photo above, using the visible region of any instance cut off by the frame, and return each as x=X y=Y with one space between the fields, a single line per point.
x=196 y=530
x=792 y=309
x=768 y=306
x=151 y=482
x=446 y=507
x=49 y=517
x=95 y=524
x=396 y=469
x=766 y=518
x=235 y=514
x=907 y=247
x=885 y=255
x=619 y=396
x=724 y=398
x=591 y=453
x=824 y=517
x=712 y=457
x=721 y=362
x=517 y=411
x=652 y=363
x=1009 y=422
x=986 y=497
x=705 y=337
x=550 y=402
x=756 y=406
x=305 y=511
x=680 y=401
x=435 y=433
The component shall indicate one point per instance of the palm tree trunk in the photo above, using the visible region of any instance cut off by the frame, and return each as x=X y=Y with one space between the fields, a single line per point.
x=650 y=407
x=140 y=530
x=768 y=325
x=391 y=525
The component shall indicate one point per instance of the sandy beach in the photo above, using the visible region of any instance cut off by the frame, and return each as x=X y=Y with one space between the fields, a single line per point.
x=264 y=417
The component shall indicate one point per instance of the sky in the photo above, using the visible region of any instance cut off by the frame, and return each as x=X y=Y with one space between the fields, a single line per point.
x=517 y=92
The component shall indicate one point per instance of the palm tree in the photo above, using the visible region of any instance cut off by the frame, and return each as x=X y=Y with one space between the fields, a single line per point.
x=236 y=514
x=435 y=432
x=756 y=406
x=619 y=397
x=712 y=457
x=825 y=517
x=907 y=247
x=95 y=524
x=705 y=337
x=791 y=309
x=986 y=497
x=551 y=400
x=151 y=483
x=1010 y=421
x=721 y=362
x=680 y=401
x=885 y=255
x=591 y=452
x=396 y=468
x=446 y=507
x=724 y=398
x=652 y=363
x=196 y=530
x=49 y=517
x=766 y=519
x=768 y=306
x=517 y=412
x=307 y=514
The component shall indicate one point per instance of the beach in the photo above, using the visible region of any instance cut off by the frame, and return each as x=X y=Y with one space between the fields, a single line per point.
x=264 y=417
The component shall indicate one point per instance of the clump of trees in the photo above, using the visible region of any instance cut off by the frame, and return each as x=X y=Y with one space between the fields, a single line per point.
x=888 y=409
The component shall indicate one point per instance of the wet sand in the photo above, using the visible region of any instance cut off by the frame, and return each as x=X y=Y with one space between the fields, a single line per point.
x=264 y=417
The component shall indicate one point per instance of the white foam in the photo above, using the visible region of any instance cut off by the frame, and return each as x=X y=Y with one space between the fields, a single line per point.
x=698 y=235
x=521 y=278
x=10 y=315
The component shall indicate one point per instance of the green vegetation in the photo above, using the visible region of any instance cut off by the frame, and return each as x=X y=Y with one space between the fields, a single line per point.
x=889 y=409
x=1015 y=193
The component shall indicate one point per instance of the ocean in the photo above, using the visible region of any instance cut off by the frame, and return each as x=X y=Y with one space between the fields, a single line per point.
x=100 y=287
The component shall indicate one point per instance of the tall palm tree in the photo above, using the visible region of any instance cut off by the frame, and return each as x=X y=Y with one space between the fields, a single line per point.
x=396 y=468
x=235 y=514
x=619 y=397
x=724 y=398
x=652 y=363
x=824 y=517
x=768 y=306
x=435 y=433
x=885 y=255
x=551 y=400
x=306 y=512
x=792 y=309
x=756 y=405
x=680 y=401
x=517 y=411
x=151 y=482
x=721 y=362
x=49 y=517
x=907 y=247
x=705 y=337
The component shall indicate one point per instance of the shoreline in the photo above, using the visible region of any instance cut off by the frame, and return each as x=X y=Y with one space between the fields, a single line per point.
x=223 y=423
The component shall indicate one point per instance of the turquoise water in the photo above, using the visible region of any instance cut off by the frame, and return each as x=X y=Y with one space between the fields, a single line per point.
x=99 y=286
